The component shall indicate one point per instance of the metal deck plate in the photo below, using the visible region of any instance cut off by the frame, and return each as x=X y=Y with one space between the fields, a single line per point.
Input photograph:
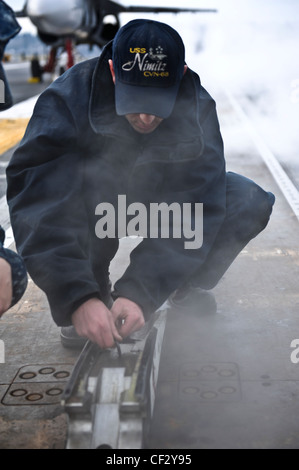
x=38 y=384
x=202 y=382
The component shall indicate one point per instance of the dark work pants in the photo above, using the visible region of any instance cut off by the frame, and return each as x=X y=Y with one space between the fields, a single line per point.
x=248 y=209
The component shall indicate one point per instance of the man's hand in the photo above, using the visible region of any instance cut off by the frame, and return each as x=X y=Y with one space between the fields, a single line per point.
x=93 y=320
x=128 y=316
x=5 y=286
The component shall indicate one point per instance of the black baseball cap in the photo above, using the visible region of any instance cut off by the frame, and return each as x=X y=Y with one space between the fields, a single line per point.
x=148 y=58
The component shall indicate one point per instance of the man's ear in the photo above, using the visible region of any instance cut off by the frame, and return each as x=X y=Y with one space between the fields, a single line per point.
x=112 y=70
x=185 y=68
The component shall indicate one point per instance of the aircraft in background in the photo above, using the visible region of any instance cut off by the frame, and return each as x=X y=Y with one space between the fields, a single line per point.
x=67 y=23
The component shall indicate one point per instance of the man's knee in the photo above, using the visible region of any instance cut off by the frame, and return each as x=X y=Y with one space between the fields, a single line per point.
x=261 y=205
x=252 y=204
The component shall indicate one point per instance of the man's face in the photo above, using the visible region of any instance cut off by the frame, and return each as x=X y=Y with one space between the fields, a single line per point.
x=143 y=123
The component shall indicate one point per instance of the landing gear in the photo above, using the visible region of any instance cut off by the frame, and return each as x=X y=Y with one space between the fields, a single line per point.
x=57 y=64
x=36 y=70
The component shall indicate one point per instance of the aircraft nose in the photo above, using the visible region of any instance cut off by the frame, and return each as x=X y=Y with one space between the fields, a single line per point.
x=56 y=17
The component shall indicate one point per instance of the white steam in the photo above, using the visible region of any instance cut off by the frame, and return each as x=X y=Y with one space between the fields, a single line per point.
x=251 y=49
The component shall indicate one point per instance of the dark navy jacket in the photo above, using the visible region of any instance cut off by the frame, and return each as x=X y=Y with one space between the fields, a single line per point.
x=77 y=153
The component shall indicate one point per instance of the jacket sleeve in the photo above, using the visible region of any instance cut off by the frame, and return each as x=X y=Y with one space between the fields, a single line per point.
x=46 y=207
x=159 y=266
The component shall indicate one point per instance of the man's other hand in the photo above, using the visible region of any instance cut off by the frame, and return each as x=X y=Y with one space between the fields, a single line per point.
x=93 y=320
x=128 y=316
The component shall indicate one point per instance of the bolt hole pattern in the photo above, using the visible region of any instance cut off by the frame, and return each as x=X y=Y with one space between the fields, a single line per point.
x=28 y=375
x=20 y=392
x=46 y=370
x=54 y=391
x=62 y=374
x=34 y=397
